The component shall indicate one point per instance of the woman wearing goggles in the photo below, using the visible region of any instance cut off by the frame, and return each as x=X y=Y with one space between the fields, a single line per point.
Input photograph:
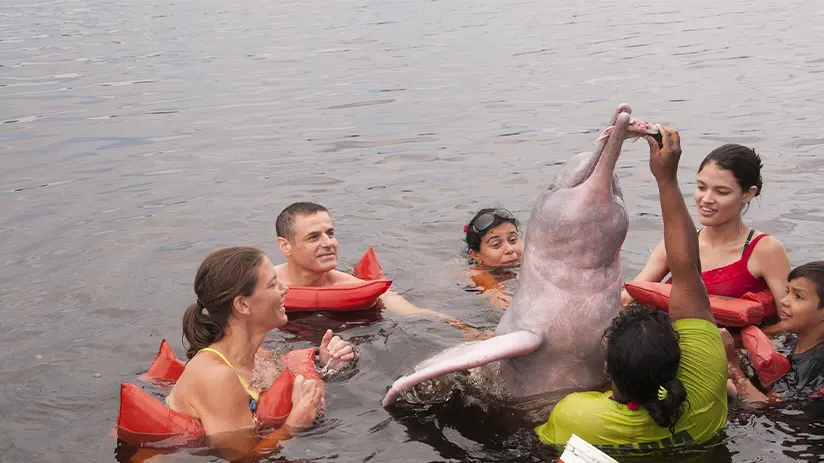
x=495 y=245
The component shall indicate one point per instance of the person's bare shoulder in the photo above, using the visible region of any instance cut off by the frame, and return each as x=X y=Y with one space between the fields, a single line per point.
x=769 y=246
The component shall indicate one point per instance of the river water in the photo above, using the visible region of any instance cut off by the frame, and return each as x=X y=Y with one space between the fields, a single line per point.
x=138 y=136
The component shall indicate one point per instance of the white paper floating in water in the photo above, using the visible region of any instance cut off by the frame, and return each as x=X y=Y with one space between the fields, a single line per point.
x=580 y=451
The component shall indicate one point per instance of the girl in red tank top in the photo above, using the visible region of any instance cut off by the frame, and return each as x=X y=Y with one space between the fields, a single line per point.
x=728 y=179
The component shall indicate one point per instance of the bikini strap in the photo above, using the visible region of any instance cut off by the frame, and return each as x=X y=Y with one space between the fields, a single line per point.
x=251 y=394
x=750 y=246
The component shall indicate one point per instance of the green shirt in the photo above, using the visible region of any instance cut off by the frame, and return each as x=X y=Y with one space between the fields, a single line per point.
x=603 y=422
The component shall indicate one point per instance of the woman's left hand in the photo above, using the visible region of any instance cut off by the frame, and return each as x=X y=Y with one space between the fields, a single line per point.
x=335 y=353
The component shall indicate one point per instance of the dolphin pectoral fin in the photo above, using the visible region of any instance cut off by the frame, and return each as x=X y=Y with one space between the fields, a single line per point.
x=464 y=357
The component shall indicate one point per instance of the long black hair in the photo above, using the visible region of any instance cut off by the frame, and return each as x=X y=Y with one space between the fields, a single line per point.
x=642 y=358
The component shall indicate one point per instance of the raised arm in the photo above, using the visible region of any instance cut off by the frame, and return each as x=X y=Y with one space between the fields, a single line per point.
x=688 y=298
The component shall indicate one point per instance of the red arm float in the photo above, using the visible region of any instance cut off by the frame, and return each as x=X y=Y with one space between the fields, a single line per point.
x=144 y=421
x=726 y=310
x=165 y=367
x=368 y=267
x=765 y=297
x=768 y=363
x=276 y=403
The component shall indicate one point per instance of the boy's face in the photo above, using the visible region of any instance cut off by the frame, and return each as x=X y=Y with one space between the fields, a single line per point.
x=798 y=310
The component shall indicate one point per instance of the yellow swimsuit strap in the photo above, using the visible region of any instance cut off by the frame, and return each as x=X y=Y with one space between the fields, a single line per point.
x=251 y=393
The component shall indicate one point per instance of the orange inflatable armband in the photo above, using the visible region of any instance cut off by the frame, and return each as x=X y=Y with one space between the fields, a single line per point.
x=769 y=364
x=727 y=311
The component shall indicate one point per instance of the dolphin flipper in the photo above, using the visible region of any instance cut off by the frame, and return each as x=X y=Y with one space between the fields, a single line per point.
x=467 y=356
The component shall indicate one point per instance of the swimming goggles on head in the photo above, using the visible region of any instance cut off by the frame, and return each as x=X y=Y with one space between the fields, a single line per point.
x=485 y=220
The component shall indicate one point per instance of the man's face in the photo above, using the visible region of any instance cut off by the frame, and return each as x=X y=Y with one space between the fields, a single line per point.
x=315 y=247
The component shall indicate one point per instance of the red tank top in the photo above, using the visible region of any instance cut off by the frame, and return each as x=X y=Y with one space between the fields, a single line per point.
x=734 y=280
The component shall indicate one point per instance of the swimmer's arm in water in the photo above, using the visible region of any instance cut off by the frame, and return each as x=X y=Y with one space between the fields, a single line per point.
x=655 y=270
x=392 y=301
x=492 y=289
x=498 y=299
x=688 y=298
x=743 y=388
x=229 y=423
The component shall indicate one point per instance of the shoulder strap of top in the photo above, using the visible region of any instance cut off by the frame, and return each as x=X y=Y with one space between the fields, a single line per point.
x=251 y=394
x=748 y=248
x=214 y=351
x=747 y=243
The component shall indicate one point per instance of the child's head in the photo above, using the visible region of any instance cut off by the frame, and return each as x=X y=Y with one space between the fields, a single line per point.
x=800 y=310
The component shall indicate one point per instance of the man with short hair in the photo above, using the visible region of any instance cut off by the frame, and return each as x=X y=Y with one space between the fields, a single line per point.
x=306 y=237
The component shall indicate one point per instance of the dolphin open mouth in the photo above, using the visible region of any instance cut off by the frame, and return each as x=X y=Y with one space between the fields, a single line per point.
x=635 y=129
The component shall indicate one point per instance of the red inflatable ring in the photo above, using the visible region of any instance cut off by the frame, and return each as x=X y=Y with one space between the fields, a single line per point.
x=727 y=311
x=144 y=421
x=345 y=297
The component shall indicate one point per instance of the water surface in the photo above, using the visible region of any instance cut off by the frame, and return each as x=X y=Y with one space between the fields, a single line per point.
x=137 y=137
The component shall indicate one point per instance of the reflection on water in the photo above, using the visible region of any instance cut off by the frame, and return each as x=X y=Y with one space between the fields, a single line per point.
x=138 y=136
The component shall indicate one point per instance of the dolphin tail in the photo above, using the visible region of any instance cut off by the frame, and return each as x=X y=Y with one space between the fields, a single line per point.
x=464 y=357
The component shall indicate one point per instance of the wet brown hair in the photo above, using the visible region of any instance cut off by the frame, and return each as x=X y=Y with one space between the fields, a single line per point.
x=224 y=275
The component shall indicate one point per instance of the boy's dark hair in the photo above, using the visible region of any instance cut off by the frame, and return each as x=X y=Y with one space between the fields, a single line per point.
x=285 y=223
x=813 y=271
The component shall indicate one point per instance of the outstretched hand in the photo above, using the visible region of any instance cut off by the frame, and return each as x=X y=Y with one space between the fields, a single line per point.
x=663 y=161
x=335 y=353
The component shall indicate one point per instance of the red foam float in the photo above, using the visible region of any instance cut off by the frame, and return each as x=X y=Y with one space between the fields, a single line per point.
x=368 y=267
x=769 y=364
x=727 y=311
x=165 y=367
x=345 y=297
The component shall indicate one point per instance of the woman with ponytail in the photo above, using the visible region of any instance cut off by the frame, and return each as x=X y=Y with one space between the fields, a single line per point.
x=239 y=300
x=668 y=371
